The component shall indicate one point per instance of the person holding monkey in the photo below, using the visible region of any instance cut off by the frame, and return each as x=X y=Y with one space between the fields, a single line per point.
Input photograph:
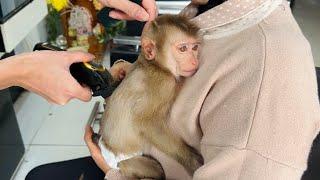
x=247 y=112
x=251 y=109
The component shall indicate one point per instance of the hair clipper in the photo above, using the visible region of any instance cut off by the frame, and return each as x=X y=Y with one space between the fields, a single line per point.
x=91 y=74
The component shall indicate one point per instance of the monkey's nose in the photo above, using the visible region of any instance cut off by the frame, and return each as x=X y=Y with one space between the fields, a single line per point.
x=195 y=64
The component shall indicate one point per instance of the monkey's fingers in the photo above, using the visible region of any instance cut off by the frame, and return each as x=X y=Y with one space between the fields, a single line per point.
x=122 y=74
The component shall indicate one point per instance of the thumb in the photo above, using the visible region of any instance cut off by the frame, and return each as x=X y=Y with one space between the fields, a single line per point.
x=79 y=56
x=151 y=8
x=84 y=94
x=80 y=92
x=132 y=9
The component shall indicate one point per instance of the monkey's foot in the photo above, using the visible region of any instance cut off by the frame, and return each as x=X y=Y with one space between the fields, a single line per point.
x=141 y=167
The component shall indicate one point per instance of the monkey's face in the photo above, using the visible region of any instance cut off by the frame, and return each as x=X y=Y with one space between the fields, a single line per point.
x=173 y=42
x=185 y=54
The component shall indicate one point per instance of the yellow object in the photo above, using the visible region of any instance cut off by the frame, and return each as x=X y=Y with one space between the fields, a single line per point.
x=72 y=32
x=83 y=40
x=94 y=68
x=78 y=48
x=58 y=4
x=97 y=5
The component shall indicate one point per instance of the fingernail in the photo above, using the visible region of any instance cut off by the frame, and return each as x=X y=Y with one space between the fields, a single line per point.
x=142 y=16
x=111 y=14
x=91 y=56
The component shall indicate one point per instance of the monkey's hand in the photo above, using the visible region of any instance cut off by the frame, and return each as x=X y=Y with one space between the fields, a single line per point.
x=141 y=167
x=191 y=10
x=199 y=2
x=119 y=69
x=95 y=150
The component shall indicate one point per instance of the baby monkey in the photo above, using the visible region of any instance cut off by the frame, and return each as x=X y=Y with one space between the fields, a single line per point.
x=137 y=112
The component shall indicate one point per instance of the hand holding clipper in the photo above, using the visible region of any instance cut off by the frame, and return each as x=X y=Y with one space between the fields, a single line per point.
x=91 y=74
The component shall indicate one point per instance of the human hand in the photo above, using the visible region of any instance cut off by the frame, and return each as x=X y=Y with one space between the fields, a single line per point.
x=95 y=150
x=127 y=10
x=119 y=69
x=47 y=74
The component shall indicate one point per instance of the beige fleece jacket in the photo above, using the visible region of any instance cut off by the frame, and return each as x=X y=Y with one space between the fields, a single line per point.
x=252 y=108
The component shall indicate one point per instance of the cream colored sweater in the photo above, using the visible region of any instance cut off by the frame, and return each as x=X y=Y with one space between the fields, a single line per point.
x=252 y=108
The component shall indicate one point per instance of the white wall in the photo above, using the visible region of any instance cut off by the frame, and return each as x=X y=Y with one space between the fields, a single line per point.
x=38 y=34
x=15 y=29
x=31 y=109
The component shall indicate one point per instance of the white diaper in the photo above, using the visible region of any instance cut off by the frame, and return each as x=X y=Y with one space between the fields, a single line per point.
x=111 y=159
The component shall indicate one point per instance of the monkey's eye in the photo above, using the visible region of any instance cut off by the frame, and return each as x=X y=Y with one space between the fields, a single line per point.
x=195 y=47
x=183 y=48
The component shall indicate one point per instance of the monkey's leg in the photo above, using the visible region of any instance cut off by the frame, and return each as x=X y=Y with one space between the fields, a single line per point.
x=141 y=167
x=162 y=138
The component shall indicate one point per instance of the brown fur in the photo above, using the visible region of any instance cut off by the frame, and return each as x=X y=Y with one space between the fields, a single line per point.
x=163 y=26
x=191 y=10
x=136 y=168
x=137 y=112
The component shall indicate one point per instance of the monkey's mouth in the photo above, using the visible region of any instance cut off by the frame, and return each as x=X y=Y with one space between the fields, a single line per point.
x=190 y=72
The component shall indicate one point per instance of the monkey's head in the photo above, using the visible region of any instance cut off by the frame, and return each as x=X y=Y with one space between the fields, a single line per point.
x=172 y=42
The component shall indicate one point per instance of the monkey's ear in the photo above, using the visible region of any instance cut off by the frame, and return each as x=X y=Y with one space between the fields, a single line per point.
x=148 y=48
